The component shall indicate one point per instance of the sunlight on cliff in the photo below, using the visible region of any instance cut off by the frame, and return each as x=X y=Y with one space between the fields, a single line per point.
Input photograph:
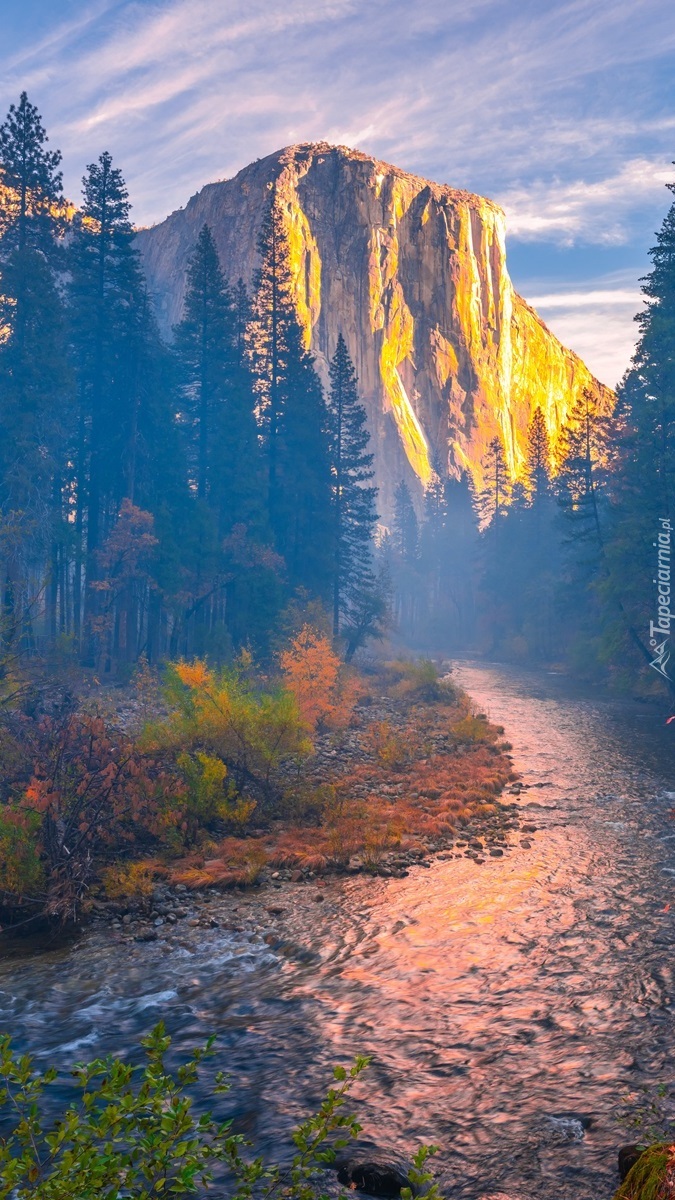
x=305 y=263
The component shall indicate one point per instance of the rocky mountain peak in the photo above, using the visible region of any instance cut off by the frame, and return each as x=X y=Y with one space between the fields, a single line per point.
x=413 y=274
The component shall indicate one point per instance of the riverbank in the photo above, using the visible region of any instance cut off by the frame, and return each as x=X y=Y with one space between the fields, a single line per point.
x=137 y=797
x=416 y=775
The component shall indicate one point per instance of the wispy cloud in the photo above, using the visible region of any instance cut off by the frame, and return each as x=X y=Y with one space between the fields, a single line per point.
x=599 y=212
x=562 y=111
x=481 y=94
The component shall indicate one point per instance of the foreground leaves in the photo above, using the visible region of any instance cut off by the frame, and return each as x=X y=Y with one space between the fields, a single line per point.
x=132 y=1132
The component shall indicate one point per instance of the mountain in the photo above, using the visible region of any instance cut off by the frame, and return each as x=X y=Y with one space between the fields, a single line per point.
x=414 y=275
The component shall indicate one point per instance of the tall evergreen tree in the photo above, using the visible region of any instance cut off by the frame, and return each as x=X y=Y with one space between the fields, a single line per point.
x=405 y=529
x=217 y=390
x=32 y=202
x=405 y=543
x=354 y=498
x=111 y=326
x=642 y=481
x=494 y=497
x=35 y=383
x=458 y=554
x=538 y=462
x=432 y=537
x=242 y=318
x=204 y=342
x=292 y=416
x=272 y=335
x=581 y=480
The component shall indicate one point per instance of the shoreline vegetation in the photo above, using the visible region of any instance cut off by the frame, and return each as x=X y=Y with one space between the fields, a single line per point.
x=135 y=1128
x=222 y=779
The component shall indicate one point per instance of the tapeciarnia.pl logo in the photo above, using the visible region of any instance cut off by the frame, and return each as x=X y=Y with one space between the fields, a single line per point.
x=659 y=630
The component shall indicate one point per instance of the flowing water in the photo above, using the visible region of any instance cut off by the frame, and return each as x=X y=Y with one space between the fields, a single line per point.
x=507 y=1006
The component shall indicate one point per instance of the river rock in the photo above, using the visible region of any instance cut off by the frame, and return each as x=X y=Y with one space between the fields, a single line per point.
x=374 y=1176
x=628 y=1156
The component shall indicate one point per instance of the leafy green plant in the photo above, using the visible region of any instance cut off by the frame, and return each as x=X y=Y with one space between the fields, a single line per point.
x=210 y=796
x=223 y=714
x=132 y=1133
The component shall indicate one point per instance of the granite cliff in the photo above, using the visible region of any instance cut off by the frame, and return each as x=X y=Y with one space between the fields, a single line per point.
x=414 y=275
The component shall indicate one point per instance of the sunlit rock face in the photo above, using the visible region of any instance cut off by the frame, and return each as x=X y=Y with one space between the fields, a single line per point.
x=414 y=275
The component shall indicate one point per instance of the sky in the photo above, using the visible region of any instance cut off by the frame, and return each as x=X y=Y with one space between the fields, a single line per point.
x=561 y=110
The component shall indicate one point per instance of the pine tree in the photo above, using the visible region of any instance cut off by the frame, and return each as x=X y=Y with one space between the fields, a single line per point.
x=537 y=466
x=112 y=329
x=31 y=182
x=494 y=498
x=431 y=545
x=354 y=499
x=204 y=342
x=272 y=329
x=405 y=530
x=405 y=541
x=641 y=487
x=35 y=382
x=305 y=515
x=242 y=319
x=458 y=555
x=292 y=416
x=581 y=480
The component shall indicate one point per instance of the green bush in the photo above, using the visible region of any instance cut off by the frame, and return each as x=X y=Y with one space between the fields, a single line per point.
x=225 y=715
x=210 y=797
x=132 y=1133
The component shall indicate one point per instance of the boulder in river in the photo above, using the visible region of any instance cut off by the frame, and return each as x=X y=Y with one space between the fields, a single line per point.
x=628 y=1156
x=374 y=1176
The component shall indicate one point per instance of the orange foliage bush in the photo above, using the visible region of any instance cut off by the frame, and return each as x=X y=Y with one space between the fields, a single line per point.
x=324 y=689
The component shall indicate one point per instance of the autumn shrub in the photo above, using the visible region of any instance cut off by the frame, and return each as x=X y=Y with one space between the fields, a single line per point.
x=471 y=728
x=225 y=715
x=324 y=689
x=22 y=876
x=418 y=680
x=129 y=881
x=230 y=863
x=90 y=795
x=393 y=748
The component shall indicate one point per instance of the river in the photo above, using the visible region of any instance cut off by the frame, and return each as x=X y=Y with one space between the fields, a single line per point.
x=507 y=1006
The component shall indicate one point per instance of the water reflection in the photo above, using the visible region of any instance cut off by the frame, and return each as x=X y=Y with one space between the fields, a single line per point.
x=505 y=1005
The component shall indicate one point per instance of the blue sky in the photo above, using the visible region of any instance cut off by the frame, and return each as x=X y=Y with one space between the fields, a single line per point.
x=561 y=110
